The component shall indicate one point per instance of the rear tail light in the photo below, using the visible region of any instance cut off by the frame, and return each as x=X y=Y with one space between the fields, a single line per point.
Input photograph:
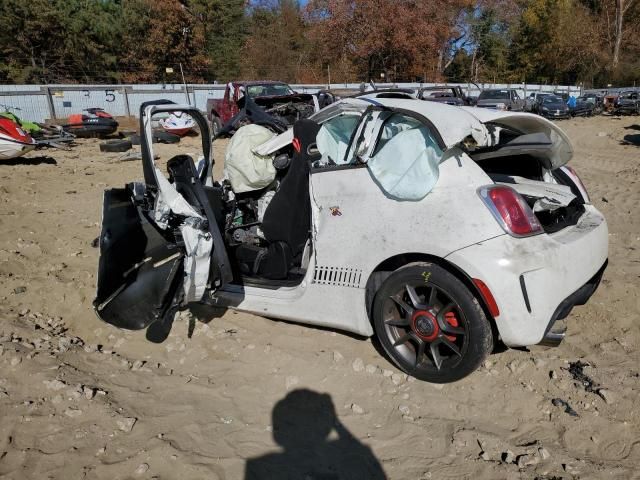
x=578 y=182
x=510 y=210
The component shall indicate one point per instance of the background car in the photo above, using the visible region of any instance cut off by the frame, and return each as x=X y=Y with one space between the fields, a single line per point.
x=551 y=106
x=449 y=95
x=582 y=108
x=501 y=99
x=595 y=100
x=628 y=102
x=532 y=98
x=243 y=99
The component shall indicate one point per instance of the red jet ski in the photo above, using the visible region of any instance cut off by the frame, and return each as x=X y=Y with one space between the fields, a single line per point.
x=95 y=123
x=14 y=141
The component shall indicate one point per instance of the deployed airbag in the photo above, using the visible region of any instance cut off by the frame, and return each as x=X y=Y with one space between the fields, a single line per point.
x=245 y=169
x=406 y=167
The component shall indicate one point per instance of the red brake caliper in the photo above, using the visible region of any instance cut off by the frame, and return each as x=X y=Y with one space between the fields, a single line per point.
x=451 y=319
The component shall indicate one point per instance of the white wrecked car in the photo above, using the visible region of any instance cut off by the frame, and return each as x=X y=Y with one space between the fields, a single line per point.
x=439 y=229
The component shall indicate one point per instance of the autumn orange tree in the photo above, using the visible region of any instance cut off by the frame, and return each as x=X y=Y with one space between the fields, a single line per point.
x=162 y=34
x=595 y=42
x=384 y=39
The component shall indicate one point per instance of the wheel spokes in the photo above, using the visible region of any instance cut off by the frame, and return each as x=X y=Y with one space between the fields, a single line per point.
x=442 y=321
x=403 y=339
x=435 y=354
x=402 y=304
x=452 y=346
x=417 y=348
x=419 y=354
x=451 y=330
x=397 y=322
x=413 y=296
x=432 y=296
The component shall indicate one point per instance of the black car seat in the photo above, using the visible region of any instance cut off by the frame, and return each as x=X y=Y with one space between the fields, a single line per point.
x=286 y=223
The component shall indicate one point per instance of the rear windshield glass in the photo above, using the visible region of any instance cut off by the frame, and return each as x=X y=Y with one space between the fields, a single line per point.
x=494 y=94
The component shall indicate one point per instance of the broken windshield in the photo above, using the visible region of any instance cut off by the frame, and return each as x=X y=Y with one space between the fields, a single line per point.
x=269 y=90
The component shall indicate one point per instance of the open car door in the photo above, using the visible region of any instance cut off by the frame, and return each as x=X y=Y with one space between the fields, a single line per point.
x=160 y=244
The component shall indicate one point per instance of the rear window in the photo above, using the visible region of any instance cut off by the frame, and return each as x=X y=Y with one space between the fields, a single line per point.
x=494 y=94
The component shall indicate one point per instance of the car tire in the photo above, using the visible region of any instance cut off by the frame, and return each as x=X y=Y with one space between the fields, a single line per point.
x=135 y=139
x=430 y=324
x=115 y=146
x=216 y=125
x=161 y=136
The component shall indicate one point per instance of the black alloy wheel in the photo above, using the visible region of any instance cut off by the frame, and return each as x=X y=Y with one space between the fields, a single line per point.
x=430 y=324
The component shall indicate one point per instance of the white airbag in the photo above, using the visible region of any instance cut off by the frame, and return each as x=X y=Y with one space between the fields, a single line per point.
x=406 y=167
x=245 y=169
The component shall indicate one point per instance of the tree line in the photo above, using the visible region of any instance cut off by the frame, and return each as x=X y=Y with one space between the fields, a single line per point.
x=594 y=42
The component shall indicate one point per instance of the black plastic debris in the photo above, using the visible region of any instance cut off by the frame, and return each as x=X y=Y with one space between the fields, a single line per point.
x=558 y=402
x=576 y=369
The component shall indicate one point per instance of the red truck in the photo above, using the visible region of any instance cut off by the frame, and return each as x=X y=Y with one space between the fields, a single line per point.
x=277 y=99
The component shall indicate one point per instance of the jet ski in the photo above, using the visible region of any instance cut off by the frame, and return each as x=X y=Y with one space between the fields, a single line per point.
x=178 y=123
x=95 y=123
x=14 y=141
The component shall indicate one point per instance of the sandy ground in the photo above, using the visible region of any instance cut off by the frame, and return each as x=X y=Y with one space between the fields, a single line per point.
x=231 y=394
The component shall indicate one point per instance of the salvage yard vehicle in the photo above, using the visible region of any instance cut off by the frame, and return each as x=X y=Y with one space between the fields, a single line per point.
x=533 y=98
x=552 y=107
x=439 y=229
x=596 y=102
x=501 y=99
x=450 y=95
x=266 y=100
x=627 y=103
x=584 y=107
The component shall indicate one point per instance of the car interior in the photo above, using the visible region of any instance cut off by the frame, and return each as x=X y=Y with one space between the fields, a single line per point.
x=275 y=245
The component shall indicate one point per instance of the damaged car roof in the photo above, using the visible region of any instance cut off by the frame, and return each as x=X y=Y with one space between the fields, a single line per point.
x=455 y=125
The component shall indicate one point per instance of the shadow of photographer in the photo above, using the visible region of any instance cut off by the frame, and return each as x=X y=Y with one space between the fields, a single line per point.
x=316 y=445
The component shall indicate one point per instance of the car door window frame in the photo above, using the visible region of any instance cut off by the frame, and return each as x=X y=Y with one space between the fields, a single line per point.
x=375 y=134
x=354 y=135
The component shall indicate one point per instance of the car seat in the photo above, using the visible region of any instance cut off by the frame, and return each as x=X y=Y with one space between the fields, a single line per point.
x=287 y=220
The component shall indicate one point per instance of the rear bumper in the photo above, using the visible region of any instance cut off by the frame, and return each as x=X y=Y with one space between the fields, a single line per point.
x=553 y=336
x=537 y=280
x=556 y=116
